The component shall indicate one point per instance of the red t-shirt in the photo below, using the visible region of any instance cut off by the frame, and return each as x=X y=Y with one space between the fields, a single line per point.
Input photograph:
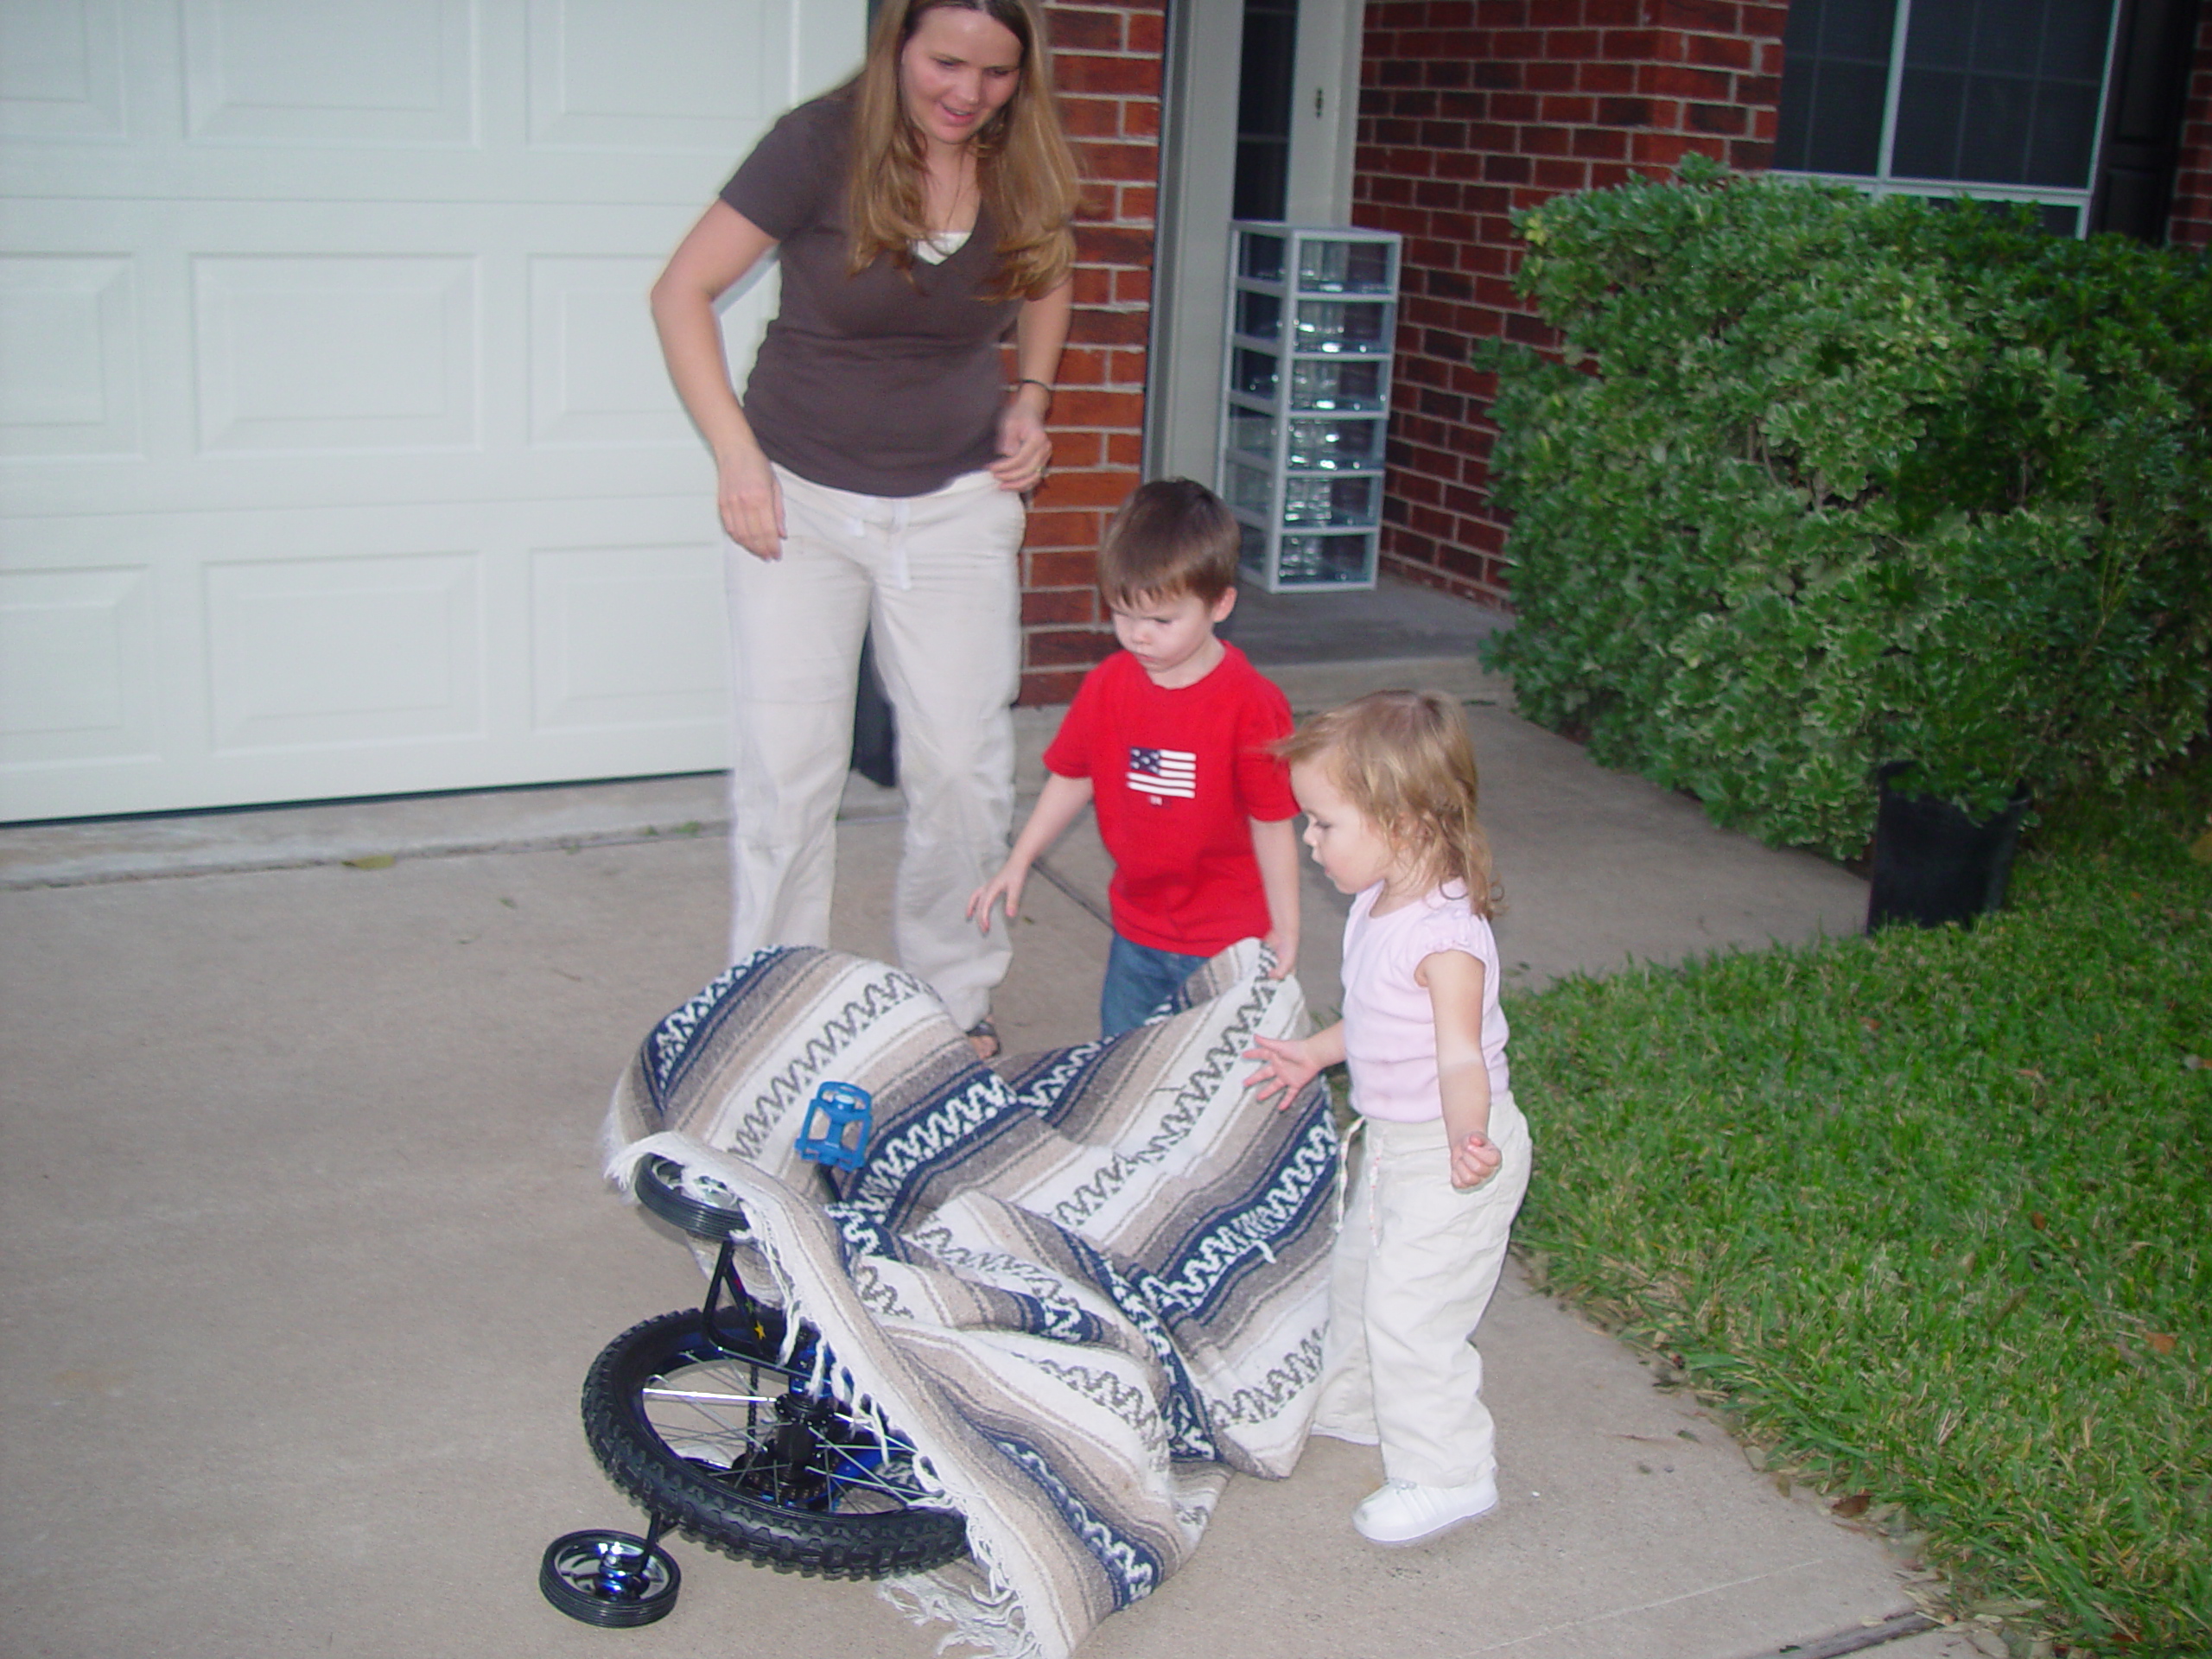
x=1176 y=778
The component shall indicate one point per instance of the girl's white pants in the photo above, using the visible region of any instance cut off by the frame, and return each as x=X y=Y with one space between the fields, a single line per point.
x=937 y=574
x=1415 y=1262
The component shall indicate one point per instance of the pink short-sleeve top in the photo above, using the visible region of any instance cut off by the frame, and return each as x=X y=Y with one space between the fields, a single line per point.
x=1389 y=1027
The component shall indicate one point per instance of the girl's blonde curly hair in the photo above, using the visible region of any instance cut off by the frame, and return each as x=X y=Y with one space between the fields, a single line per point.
x=1405 y=759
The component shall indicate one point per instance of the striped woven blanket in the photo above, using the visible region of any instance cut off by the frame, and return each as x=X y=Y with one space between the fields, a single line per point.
x=1086 y=1290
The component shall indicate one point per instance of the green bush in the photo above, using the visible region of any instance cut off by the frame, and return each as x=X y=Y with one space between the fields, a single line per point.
x=1822 y=482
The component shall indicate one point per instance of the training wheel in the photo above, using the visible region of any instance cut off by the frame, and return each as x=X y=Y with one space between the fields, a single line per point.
x=613 y=1579
x=689 y=1198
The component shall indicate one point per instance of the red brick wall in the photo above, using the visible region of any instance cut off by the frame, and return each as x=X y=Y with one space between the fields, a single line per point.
x=1108 y=60
x=2189 y=225
x=1472 y=108
x=1469 y=108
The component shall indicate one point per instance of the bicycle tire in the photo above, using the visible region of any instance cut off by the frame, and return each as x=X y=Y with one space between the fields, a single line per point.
x=718 y=1439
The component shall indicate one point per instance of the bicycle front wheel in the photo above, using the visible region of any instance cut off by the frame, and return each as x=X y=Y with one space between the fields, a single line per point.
x=716 y=1437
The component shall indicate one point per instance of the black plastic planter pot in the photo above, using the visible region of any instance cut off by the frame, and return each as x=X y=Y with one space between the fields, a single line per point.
x=1933 y=864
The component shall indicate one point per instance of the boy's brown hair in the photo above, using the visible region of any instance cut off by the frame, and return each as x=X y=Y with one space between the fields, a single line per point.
x=1171 y=536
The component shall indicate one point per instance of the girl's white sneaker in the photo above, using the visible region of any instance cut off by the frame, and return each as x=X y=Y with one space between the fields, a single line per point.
x=1400 y=1512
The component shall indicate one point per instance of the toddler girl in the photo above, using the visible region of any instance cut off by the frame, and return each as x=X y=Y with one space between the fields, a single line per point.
x=1440 y=1157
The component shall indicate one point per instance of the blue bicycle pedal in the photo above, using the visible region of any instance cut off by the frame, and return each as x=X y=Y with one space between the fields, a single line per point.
x=837 y=1109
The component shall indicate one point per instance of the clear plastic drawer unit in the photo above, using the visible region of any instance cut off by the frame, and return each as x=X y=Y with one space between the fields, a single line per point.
x=1312 y=316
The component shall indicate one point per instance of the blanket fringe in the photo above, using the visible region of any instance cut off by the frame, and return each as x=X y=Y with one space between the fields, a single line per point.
x=845 y=1382
x=977 y=1598
x=985 y=1617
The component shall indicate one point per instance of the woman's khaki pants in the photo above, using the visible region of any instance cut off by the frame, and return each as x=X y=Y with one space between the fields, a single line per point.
x=938 y=577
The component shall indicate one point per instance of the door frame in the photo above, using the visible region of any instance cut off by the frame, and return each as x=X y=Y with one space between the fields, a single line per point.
x=1182 y=411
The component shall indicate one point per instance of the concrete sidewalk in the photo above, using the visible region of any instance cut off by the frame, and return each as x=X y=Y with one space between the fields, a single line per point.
x=306 y=1257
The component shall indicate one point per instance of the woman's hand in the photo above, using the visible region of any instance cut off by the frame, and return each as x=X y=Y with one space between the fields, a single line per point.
x=1025 y=447
x=717 y=252
x=751 y=502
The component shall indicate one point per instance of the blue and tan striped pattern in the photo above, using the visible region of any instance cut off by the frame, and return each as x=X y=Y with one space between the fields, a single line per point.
x=1087 y=1289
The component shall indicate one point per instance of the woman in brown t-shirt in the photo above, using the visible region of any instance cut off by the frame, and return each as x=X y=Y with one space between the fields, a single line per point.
x=875 y=468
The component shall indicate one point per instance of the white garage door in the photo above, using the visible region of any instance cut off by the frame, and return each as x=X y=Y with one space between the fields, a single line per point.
x=336 y=457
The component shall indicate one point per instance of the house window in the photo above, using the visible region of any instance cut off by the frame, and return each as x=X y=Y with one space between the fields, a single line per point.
x=1997 y=99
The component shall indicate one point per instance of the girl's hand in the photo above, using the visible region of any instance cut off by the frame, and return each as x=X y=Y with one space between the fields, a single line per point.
x=751 y=502
x=1289 y=1068
x=1474 y=1161
x=1025 y=447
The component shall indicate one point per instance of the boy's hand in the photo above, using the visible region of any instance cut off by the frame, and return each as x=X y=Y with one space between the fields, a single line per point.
x=1474 y=1161
x=1004 y=889
x=1290 y=1067
x=1284 y=943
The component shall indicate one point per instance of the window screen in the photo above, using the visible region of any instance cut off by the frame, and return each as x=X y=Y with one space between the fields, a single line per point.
x=2003 y=94
x=1835 y=78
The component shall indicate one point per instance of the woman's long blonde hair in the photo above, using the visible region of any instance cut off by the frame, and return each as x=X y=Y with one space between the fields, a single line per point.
x=1405 y=760
x=1024 y=165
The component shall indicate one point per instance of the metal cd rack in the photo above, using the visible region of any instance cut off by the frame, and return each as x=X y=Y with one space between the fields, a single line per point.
x=1312 y=317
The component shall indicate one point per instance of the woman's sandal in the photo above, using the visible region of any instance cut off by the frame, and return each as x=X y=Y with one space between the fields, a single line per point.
x=983 y=1038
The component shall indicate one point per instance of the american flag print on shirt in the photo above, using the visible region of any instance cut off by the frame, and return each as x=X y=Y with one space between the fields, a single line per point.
x=1163 y=771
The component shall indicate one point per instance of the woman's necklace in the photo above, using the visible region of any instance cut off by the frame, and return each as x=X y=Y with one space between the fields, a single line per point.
x=951 y=205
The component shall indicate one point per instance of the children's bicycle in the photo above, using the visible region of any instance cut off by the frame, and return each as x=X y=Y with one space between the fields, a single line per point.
x=723 y=1422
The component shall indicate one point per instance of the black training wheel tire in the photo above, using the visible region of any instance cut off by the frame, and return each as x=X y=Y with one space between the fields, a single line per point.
x=694 y=1434
x=613 y=1580
x=690 y=1199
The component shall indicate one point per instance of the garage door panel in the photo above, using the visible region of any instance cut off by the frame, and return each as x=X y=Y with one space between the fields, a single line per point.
x=310 y=652
x=596 y=373
x=68 y=358
x=572 y=397
x=77 y=666
x=340 y=478
x=353 y=72
x=364 y=651
x=654 y=106
x=335 y=352
x=612 y=74
x=60 y=69
x=336 y=453
x=628 y=636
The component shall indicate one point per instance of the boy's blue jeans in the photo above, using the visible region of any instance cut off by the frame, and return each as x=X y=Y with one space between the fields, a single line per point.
x=1139 y=978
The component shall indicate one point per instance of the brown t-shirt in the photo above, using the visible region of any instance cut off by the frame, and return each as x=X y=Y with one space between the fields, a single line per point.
x=887 y=382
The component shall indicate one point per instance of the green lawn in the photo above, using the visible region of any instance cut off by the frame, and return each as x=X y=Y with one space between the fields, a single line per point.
x=1930 y=1213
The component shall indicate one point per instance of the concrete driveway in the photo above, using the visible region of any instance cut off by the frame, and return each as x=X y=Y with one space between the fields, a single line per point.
x=307 y=1256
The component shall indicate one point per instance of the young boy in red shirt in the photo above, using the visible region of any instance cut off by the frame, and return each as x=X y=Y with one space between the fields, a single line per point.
x=1170 y=740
